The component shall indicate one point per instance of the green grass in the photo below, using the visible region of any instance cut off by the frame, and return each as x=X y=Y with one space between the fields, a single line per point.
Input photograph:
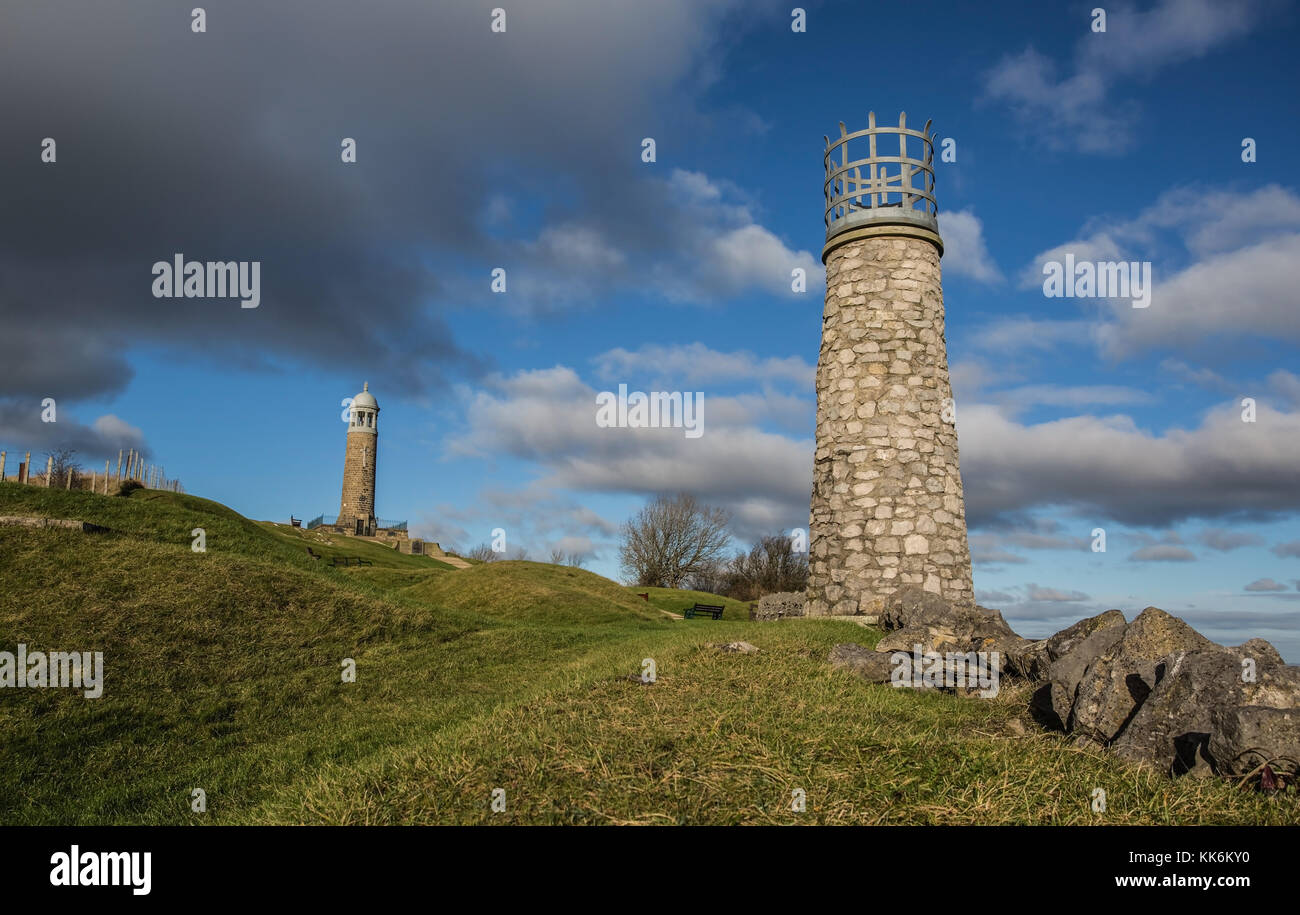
x=222 y=672
x=537 y=592
x=676 y=600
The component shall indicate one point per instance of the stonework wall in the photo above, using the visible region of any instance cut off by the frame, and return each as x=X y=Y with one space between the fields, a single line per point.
x=358 y=499
x=887 y=504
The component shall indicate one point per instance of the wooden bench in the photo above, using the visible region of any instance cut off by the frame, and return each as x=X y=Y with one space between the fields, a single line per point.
x=349 y=560
x=698 y=609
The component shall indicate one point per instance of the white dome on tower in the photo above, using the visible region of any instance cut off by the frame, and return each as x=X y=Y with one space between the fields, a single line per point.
x=365 y=398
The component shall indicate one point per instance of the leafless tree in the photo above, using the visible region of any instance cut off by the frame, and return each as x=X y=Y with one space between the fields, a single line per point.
x=483 y=553
x=576 y=560
x=711 y=577
x=670 y=539
x=771 y=566
x=63 y=466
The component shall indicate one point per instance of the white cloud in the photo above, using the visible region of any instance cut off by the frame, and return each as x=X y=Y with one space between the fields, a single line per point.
x=694 y=362
x=547 y=417
x=1054 y=395
x=964 y=250
x=1110 y=468
x=1222 y=268
x=1249 y=292
x=1021 y=333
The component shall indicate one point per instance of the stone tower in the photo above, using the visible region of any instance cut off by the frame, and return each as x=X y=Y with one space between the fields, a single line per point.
x=887 y=504
x=357 y=506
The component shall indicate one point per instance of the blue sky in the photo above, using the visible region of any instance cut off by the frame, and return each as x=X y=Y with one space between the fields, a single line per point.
x=522 y=150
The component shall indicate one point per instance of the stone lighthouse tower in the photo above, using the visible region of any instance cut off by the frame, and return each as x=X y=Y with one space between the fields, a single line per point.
x=357 y=506
x=887 y=504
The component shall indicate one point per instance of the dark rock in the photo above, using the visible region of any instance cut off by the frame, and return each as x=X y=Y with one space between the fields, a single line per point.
x=1243 y=737
x=1261 y=651
x=931 y=638
x=913 y=606
x=1028 y=660
x=913 y=616
x=1055 y=699
x=1033 y=660
x=1117 y=682
x=872 y=666
x=1174 y=726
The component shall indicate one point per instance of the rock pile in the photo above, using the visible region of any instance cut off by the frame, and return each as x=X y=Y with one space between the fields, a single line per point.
x=780 y=606
x=1153 y=690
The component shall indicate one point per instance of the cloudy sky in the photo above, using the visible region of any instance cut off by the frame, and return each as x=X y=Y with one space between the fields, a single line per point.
x=522 y=150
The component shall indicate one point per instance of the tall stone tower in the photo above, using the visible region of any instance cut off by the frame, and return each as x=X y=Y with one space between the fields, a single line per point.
x=357 y=506
x=887 y=504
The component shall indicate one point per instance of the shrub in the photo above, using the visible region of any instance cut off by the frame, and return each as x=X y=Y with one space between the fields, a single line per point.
x=126 y=487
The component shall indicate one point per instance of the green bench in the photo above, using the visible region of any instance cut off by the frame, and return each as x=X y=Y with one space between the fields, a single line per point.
x=703 y=609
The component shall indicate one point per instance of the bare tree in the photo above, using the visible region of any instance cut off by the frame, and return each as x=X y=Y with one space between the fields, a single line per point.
x=671 y=539
x=64 y=466
x=771 y=566
x=483 y=553
x=576 y=560
x=712 y=577
x=557 y=557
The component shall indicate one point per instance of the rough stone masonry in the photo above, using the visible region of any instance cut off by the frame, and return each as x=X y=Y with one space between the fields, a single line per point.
x=357 y=500
x=887 y=504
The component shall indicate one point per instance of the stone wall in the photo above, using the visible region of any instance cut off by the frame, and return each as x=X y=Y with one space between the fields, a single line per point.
x=887 y=505
x=358 y=497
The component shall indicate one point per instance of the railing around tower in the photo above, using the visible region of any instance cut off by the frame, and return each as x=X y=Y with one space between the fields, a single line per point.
x=328 y=520
x=880 y=188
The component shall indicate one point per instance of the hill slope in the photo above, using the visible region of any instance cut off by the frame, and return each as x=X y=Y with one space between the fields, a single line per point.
x=521 y=590
x=223 y=672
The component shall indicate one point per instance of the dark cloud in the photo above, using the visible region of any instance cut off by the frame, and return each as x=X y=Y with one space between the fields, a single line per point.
x=1108 y=468
x=225 y=146
x=1265 y=584
x=1223 y=540
x=1162 y=552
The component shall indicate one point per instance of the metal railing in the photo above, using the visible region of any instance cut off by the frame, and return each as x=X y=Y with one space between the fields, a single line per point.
x=880 y=188
x=325 y=520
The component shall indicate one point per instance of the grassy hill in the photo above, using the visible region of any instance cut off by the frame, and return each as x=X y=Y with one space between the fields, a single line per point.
x=222 y=672
x=675 y=600
x=540 y=592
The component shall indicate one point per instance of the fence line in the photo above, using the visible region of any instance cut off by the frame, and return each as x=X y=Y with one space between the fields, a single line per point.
x=130 y=466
